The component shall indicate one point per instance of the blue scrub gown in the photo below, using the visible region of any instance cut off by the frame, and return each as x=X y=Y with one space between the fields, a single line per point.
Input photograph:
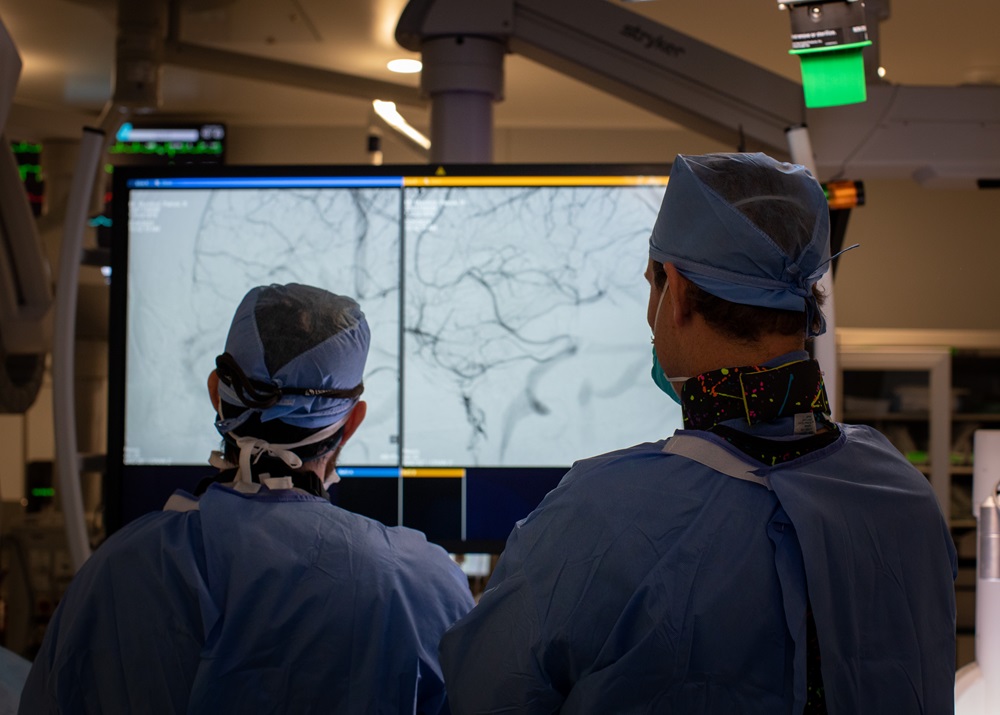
x=13 y=672
x=648 y=582
x=277 y=602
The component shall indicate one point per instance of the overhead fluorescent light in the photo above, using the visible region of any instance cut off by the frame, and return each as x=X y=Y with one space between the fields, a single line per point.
x=405 y=66
x=387 y=112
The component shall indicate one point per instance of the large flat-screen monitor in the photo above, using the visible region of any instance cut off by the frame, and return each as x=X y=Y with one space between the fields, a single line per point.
x=507 y=307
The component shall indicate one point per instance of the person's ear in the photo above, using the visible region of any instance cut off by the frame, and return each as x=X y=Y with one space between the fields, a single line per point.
x=213 y=389
x=354 y=420
x=680 y=303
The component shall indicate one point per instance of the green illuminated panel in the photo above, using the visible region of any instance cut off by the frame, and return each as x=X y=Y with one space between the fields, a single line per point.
x=833 y=76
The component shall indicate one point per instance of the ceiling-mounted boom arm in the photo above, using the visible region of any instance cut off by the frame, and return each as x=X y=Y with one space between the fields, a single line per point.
x=608 y=47
x=939 y=136
x=664 y=71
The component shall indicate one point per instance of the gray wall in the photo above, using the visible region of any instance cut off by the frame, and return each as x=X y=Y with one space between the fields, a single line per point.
x=929 y=258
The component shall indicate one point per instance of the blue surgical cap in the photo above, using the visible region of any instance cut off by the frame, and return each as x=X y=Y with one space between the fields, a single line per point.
x=747 y=229
x=302 y=337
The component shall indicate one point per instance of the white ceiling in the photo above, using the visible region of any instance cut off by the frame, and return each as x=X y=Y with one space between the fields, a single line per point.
x=68 y=48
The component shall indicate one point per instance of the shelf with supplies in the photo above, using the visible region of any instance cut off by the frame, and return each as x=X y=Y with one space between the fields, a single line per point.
x=928 y=392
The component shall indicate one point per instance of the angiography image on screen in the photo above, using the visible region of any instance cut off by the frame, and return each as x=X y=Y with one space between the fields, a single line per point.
x=194 y=253
x=507 y=311
x=525 y=335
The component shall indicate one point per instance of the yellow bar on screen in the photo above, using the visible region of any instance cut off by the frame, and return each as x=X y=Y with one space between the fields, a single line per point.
x=432 y=472
x=534 y=180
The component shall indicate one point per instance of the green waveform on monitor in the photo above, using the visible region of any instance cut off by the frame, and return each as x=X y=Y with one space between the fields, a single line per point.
x=27 y=170
x=26 y=148
x=168 y=149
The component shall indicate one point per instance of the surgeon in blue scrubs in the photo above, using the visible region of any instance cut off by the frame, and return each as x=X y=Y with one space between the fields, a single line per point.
x=763 y=559
x=257 y=595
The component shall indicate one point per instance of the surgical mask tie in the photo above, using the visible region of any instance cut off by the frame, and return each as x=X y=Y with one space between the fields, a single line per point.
x=252 y=448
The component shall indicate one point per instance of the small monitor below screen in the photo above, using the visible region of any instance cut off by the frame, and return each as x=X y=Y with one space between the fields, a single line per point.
x=507 y=308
